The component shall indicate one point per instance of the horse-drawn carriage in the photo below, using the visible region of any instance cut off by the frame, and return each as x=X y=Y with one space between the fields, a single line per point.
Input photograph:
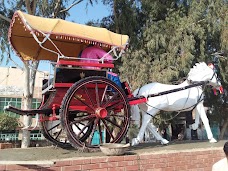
x=78 y=103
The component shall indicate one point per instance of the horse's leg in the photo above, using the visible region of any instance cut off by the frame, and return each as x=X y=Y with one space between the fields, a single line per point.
x=197 y=117
x=135 y=115
x=201 y=112
x=147 y=135
x=153 y=128
x=145 y=120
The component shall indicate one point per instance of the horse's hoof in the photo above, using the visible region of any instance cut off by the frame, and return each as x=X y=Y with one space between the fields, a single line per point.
x=134 y=142
x=212 y=140
x=164 y=142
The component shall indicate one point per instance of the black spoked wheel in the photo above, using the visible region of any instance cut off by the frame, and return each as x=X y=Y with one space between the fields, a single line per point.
x=52 y=130
x=95 y=110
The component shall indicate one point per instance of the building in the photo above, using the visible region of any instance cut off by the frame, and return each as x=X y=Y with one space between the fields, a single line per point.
x=11 y=93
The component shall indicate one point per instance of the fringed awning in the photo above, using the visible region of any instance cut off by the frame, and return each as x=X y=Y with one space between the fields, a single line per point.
x=70 y=38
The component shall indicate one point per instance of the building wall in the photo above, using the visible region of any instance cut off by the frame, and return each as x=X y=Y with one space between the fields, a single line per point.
x=12 y=88
x=12 y=82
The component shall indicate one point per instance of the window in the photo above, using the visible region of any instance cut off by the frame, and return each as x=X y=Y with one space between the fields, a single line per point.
x=5 y=101
x=35 y=103
x=15 y=102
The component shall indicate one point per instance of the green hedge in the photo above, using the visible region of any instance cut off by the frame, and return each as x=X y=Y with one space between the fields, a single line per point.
x=8 y=122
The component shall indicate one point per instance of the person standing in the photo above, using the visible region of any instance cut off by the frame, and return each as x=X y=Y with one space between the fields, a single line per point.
x=222 y=165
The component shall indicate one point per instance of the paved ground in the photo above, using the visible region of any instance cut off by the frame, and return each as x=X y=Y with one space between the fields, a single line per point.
x=53 y=153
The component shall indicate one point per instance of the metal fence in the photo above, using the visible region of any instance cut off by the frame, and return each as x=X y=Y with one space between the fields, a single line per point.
x=15 y=136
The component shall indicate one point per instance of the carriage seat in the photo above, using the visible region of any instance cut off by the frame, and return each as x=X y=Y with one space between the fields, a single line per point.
x=71 y=71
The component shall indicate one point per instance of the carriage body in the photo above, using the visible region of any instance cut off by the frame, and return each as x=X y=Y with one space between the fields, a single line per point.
x=84 y=97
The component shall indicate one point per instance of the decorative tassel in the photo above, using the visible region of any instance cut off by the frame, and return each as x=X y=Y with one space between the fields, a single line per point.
x=221 y=90
x=215 y=92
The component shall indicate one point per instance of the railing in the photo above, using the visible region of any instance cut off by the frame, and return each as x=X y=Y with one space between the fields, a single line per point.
x=15 y=136
x=8 y=136
x=36 y=136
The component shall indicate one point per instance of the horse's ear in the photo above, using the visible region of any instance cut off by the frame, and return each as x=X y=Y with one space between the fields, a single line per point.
x=210 y=65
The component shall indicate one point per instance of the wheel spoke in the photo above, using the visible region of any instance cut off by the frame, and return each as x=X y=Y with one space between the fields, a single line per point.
x=114 y=115
x=53 y=127
x=117 y=103
x=58 y=134
x=103 y=95
x=107 y=129
x=81 y=130
x=84 y=103
x=82 y=119
x=110 y=100
x=79 y=116
x=92 y=132
x=97 y=95
x=86 y=126
x=119 y=117
x=112 y=122
x=87 y=93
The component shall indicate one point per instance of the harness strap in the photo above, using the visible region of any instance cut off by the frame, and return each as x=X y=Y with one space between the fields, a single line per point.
x=202 y=83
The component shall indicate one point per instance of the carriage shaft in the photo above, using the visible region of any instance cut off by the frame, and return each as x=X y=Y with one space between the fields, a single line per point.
x=28 y=112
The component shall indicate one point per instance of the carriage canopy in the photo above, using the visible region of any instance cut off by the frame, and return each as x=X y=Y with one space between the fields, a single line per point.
x=70 y=38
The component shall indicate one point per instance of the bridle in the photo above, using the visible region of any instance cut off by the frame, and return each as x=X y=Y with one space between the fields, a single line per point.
x=214 y=67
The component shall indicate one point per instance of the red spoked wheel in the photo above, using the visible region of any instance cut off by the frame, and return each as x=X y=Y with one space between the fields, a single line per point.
x=95 y=110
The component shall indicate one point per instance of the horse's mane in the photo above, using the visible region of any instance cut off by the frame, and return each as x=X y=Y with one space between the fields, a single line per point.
x=198 y=69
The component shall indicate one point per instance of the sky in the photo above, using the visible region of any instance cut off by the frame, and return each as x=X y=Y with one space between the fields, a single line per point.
x=78 y=14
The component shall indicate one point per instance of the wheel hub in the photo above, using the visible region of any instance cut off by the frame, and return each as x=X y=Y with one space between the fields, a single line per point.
x=101 y=112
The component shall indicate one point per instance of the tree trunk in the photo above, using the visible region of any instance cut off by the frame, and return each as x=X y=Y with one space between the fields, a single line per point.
x=27 y=104
x=30 y=74
x=223 y=129
x=25 y=141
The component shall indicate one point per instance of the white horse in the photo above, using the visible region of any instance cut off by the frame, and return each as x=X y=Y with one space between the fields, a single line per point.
x=184 y=100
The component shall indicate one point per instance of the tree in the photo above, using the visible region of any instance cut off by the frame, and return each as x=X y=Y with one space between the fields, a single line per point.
x=8 y=123
x=168 y=38
x=44 y=8
x=176 y=34
x=125 y=18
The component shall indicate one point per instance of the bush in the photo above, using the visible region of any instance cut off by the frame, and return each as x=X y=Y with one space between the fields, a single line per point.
x=8 y=123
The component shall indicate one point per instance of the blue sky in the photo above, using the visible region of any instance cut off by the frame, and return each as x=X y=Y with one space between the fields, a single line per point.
x=78 y=14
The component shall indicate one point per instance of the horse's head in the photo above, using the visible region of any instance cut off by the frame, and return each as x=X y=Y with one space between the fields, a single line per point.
x=203 y=72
